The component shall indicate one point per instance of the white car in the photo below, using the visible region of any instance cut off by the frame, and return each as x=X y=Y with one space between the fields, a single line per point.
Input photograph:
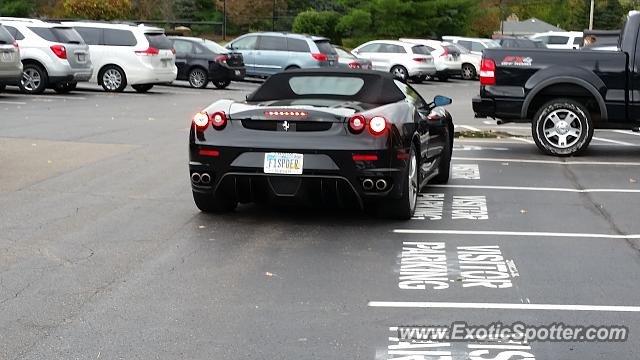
x=404 y=60
x=122 y=55
x=445 y=56
x=559 y=39
x=475 y=45
x=470 y=63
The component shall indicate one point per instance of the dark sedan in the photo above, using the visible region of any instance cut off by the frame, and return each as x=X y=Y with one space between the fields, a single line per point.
x=327 y=136
x=200 y=61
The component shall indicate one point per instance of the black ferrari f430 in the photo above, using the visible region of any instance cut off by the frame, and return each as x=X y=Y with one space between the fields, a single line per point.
x=328 y=136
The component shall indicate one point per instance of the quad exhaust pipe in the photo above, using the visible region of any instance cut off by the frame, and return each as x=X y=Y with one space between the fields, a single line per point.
x=367 y=184
x=204 y=178
x=381 y=184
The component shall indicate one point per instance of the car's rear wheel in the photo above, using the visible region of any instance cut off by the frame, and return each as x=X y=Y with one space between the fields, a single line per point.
x=469 y=72
x=210 y=203
x=400 y=72
x=419 y=79
x=65 y=87
x=221 y=84
x=198 y=78
x=34 y=79
x=443 y=77
x=562 y=127
x=405 y=207
x=444 y=168
x=113 y=79
x=142 y=88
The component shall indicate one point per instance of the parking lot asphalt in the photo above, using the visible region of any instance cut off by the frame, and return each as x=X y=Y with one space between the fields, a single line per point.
x=104 y=256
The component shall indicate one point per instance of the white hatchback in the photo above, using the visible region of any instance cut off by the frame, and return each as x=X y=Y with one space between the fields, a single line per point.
x=445 y=56
x=122 y=55
x=404 y=60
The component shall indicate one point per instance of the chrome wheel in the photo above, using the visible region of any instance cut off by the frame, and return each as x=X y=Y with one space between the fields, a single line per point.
x=468 y=72
x=562 y=128
x=197 y=78
x=399 y=72
x=413 y=181
x=31 y=79
x=112 y=79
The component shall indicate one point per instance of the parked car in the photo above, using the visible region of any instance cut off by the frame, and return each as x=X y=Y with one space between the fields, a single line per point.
x=523 y=43
x=200 y=61
x=470 y=63
x=122 y=54
x=404 y=60
x=559 y=39
x=347 y=59
x=445 y=57
x=10 y=64
x=353 y=137
x=564 y=94
x=267 y=53
x=475 y=45
x=53 y=55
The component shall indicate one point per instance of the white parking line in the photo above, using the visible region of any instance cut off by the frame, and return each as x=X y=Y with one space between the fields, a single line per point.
x=501 y=306
x=554 y=162
x=516 y=233
x=626 y=132
x=527 y=188
x=613 y=141
x=522 y=140
x=470 y=128
x=13 y=103
x=58 y=97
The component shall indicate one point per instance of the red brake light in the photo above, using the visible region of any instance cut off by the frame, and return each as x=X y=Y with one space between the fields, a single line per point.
x=201 y=121
x=320 y=56
x=420 y=59
x=60 y=51
x=15 y=44
x=362 y=157
x=354 y=65
x=445 y=53
x=357 y=124
x=377 y=125
x=286 y=113
x=222 y=59
x=209 y=152
x=487 y=72
x=148 y=51
x=218 y=120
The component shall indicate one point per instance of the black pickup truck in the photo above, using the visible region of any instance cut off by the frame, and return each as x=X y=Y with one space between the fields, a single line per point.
x=565 y=94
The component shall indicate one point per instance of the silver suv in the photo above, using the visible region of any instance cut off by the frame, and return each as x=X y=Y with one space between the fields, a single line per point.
x=53 y=55
x=10 y=65
x=270 y=52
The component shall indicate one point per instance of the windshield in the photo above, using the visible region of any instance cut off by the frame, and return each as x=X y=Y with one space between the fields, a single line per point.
x=344 y=54
x=421 y=49
x=65 y=35
x=325 y=47
x=215 y=47
x=326 y=85
x=159 y=41
x=492 y=43
x=462 y=49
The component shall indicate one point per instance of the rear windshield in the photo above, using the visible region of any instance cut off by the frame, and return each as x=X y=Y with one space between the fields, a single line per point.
x=159 y=41
x=65 y=35
x=421 y=49
x=325 y=47
x=343 y=54
x=5 y=37
x=214 y=47
x=325 y=85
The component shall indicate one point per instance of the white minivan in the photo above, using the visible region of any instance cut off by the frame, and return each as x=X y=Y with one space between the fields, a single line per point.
x=122 y=55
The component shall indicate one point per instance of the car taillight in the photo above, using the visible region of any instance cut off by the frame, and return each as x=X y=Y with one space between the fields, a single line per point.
x=445 y=53
x=320 y=56
x=148 y=51
x=201 y=120
x=222 y=59
x=357 y=124
x=15 y=44
x=354 y=65
x=286 y=113
x=487 y=72
x=377 y=125
x=60 y=51
x=173 y=51
x=218 y=120
x=420 y=59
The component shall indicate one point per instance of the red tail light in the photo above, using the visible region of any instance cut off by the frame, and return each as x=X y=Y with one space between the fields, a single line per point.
x=15 y=44
x=354 y=65
x=487 y=72
x=218 y=120
x=209 y=152
x=420 y=59
x=222 y=59
x=148 y=51
x=286 y=113
x=201 y=121
x=60 y=51
x=173 y=51
x=445 y=53
x=362 y=157
x=320 y=56
x=357 y=124
x=377 y=125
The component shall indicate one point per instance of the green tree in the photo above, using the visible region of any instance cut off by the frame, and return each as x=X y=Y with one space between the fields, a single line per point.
x=356 y=23
x=21 y=8
x=98 y=9
x=610 y=16
x=321 y=23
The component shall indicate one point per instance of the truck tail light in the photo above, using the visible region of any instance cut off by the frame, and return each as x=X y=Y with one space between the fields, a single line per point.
x=320 y=56
x=148 y=51
x=60 y=51
x=377 y=125
x=487 y=72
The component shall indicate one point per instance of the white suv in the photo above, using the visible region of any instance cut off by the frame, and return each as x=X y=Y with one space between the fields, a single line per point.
x=475 y=45
x=139 y=56
x=404 y=60
x=53 y=55
x=445 y=56
x=559 y=39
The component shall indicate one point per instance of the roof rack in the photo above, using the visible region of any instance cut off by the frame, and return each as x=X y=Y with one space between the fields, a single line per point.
x=27 y=20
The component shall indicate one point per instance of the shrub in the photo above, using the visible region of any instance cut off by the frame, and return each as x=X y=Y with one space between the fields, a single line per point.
x=98 y=9
x=321 y=23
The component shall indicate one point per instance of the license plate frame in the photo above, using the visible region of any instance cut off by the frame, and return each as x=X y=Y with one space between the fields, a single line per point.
x=82 y=58
x=283 y=163
x=6 y=57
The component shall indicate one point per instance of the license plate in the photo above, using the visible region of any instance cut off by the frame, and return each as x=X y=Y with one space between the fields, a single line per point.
x=283 y=163
x=7 y=57
x=237 y=72
x=81 y=58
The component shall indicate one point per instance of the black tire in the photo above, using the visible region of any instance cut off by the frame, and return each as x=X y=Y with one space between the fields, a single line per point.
x=116 y=81
x=65 y=87
x=419 y=79
x=405 y=207
x=400 y=73
x=221 y=84
x=34 y=79
x=208 y=203
x=198 y=78
x=2 y=87
x=444 y=168
x=292 y=67
x=469 y=72
x=142 y=88
x=562 y=127
x=443 y=77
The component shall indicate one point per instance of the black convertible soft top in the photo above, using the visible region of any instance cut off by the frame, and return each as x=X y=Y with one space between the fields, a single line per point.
x=378 y=87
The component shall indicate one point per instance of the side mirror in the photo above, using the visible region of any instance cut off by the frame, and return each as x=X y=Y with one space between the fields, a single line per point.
x=440 y=100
